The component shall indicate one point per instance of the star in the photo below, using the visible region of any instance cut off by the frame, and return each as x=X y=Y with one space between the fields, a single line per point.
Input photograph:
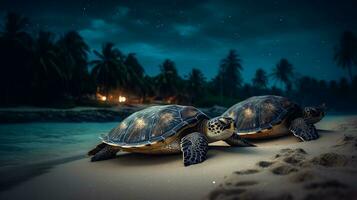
x=84 y=11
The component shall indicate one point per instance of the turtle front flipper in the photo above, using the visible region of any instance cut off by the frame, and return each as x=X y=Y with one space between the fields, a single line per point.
x=107 y=152
x=194 y=147
x=303 y=130
x=236 y=141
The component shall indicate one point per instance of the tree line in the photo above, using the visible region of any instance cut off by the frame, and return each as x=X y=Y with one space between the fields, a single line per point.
x=42 y=69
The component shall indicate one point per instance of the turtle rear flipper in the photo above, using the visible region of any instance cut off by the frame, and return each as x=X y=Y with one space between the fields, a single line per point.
x=108 y=152
x=194 y=148
x=96 y=149
x=303 y=130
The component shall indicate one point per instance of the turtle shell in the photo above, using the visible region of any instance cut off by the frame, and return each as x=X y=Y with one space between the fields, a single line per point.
x=153 y=124
x=260 y=112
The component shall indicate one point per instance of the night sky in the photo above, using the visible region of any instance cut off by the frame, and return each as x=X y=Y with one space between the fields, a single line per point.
x=200 y=33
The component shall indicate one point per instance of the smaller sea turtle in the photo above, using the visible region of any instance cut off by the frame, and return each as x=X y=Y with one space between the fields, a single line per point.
x=269 y=116
x=167 y=129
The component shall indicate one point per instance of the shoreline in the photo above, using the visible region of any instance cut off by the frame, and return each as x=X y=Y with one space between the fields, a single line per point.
x=85 y=114
x=79 y=114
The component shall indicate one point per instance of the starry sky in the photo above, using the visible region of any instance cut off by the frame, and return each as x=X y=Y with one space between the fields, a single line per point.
x=200 y=33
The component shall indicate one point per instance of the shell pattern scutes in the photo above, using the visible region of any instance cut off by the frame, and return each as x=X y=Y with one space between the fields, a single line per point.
x=153 y=124
x=260 y=112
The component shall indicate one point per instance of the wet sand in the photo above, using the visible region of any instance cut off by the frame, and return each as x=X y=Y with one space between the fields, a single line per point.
x=282 y=168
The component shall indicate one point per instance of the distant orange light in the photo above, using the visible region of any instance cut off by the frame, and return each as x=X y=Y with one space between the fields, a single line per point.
x=101 y=97
x=122 y=99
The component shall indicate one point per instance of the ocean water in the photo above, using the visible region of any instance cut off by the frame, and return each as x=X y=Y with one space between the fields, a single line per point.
x=29 y=143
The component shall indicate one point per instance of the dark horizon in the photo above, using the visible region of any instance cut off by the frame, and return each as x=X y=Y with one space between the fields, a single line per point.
x=199 y=34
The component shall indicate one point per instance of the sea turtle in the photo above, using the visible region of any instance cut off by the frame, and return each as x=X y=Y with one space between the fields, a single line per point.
x=167 y=129
x=269 y=116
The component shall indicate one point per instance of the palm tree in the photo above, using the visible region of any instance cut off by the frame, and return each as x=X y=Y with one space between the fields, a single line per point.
x=195 y=84
x=260 y=79
x=229 y=77
x=48 y=76
x=137 y=82
x=346 y=52
x=284 y=72
x=109 y=70
x=74 y=55
x=134 y=64
x=15 y=56
x=46 y=54
x=15 y=27
x=168 y=80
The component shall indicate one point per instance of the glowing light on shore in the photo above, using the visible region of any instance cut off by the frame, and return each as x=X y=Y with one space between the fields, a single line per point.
x=122 y=99
x=103 y=98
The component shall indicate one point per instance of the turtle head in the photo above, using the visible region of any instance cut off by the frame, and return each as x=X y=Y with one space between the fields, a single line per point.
x=219 y=128
x=314 y=114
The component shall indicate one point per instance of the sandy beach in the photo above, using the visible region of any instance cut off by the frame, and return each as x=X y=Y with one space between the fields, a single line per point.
x=282 y=168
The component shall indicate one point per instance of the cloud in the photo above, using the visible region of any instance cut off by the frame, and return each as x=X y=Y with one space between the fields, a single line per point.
x=186 y=30
x=100 y=31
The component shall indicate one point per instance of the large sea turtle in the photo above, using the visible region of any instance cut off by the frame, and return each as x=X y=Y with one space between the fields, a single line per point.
x=269 y=116
x=167 y=129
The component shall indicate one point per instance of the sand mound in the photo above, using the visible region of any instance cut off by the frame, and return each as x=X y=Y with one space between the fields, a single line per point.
x=264 y=163
x=330 y=160
x=291 y=156
x=347 y=140
x=283 y=169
